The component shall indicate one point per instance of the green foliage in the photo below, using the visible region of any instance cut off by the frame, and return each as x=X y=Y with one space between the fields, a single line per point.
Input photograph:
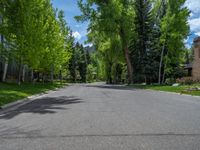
x=182 y=89
x=152 y=30
x=110 y=26
x=185 y=81
x=144 y=38
x=36 y=35
x=175 y=29
x=170 y=81
x=78 y=63
x=144 y=44
x=12 y=92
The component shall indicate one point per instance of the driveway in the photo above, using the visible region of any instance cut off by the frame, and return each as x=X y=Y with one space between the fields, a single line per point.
x=103 y=117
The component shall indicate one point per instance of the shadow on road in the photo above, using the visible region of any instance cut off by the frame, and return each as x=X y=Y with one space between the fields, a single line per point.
x=113 y=87
x=42 y=106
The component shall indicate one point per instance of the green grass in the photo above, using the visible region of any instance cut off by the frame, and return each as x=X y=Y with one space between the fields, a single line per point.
x=12 y=92
x=182 y=89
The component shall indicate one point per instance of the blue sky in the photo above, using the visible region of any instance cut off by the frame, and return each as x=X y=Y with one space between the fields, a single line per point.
x=194 y=20
x=80 y=29
x=71 y=9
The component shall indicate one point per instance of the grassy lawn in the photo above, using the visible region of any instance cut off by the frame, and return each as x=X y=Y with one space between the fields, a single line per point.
x=12 y=92
x=182 y=89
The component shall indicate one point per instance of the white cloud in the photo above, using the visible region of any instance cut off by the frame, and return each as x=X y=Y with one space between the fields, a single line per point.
x=76 y=35
x=191 y=15
x=195 y=24
x=88 y=44
x=194 y=20
x=188 y=46
x=193 y=5
x=198 y=33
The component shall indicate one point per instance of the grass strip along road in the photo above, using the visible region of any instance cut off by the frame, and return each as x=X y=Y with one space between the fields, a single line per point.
x=10 y=92
x=182 y=89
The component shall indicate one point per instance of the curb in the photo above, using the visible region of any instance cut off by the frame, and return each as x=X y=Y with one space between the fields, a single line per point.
x=18 y=103
x=173 y=93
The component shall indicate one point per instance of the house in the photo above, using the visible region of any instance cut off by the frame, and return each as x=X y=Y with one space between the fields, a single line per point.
x=196 y=62
x=194 y=68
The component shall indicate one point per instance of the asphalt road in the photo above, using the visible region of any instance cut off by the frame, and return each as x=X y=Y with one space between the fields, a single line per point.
x=101 y=117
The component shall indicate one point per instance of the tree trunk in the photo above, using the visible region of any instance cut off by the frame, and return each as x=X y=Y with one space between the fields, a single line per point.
x=163 y=76
x=129 y=65
x=19 y=74
x=161 y=63
x=109 y=73
x=60 y=76
x=32 y=75
x=5 y=71
x=43 y=78
x=23 y=73
x=162 y=54
x=163 y=79
x=5 y=68
x=52 y=73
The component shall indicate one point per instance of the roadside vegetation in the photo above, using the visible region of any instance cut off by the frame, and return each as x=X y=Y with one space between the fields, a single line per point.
x=133 y=41
x=37 y=47
x=138 y=41
x=193 y=89
x=10 y=92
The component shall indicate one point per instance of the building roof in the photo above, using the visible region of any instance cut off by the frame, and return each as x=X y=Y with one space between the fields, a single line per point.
x=197 y=39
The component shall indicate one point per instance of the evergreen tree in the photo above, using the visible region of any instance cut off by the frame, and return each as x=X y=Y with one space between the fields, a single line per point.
x=143 y=41
x=82 y=66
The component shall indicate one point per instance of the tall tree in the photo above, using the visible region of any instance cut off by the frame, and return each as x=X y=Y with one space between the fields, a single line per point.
x=36 y=36
x=143 y=38
x=111 y=17
x=82 y=65
x=174 y=29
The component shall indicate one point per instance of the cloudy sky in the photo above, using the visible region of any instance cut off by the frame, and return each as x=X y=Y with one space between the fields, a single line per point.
x=80 y=29
x=71 y=9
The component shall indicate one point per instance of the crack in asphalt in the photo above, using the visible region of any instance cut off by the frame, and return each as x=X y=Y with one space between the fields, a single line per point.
x=103 y=135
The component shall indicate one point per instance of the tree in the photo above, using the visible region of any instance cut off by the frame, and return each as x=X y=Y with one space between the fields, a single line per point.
x=82 y=65
x=126 y=26
x=143 y=39
x=78 y=63
x=36 y=36
x=110 y=17
x=3 y=49
x=73 y=65
x=174 y=29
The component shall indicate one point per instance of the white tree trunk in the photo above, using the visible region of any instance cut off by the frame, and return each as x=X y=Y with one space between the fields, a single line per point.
x=52 y=72
x=129 y=65
x=23 y=73
x=5 y=71
x=161 y=63
x=32 y=75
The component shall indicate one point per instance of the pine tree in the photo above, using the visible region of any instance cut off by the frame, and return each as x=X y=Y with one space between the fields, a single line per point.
x=142 y=46
x=82 y=66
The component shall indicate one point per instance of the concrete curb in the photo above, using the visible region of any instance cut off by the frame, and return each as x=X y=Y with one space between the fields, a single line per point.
x=169 y=92
x=173 y=93
x=18 y=103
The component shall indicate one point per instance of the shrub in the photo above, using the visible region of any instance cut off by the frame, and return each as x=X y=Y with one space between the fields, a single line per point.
x=185 y=80
x=170 y=81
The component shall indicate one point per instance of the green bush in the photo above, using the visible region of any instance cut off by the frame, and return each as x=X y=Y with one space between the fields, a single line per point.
x=170 y=81
x=185 y=81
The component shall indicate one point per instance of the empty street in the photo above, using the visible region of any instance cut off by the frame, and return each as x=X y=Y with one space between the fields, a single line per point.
x=103 y=117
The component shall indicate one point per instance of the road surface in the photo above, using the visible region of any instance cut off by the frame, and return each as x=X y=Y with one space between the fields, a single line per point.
x=103 y=117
